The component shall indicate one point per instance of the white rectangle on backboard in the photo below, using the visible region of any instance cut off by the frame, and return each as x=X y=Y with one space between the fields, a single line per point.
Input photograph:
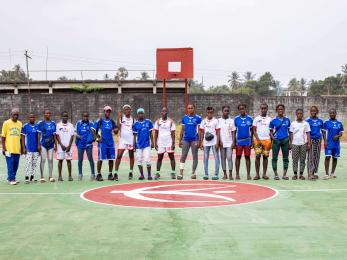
x=174 y=66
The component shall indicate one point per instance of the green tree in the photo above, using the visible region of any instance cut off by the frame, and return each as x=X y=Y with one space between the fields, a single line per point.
x=266 y=85
x=144 y=75
x=248 y=76
x=106 y=77
x=344 y=76
x=16 y=74
x=63 y=78
x=196 y=87
x=121 y=74
x=234 y=80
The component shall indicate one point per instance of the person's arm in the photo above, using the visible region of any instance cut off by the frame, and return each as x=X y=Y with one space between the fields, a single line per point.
x=337 y=137
x=39 y=142
x=156 y=133
x=181 y=135
x=251 y=130
x=324 y=133
x=201 y=134
x=290 y=138
x=308 y=141
x=218 y=138
x=95 y=130
x=71 y=140
x=3 y=138
x=134 y=144
x=152 y=139
x=58 y=142
x=115 y=128
x=173 y=137
x=233 y=136
x=254 y=130
x=22 y=141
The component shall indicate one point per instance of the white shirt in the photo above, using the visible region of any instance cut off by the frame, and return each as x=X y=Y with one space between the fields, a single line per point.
x=210 y=126
x=299 y=130
x=227 y=126
x=126 y=130
x=65 y=131
x=164 y=128
x=262 y=125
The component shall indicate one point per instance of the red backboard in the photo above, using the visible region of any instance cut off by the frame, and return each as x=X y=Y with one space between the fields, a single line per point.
x=175 y=63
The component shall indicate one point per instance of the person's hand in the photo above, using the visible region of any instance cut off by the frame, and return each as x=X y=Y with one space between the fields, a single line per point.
x=173 y=147
x=308 y=148
x=336 y=137
x=201 y=146
x=233 y=146
x=4 y=150
x=63 y=147
x=156 y=147
x=68 y=148
x=152 y=146
x=39 y=149
x=25 y=151
x=290 y=146
x=78 y=136
x=55 y=148
x=180 y=144
x=325 y=145
x=217 y=146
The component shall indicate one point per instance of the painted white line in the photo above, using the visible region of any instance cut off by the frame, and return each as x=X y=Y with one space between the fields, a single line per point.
x=40 y=193
x=316 y=190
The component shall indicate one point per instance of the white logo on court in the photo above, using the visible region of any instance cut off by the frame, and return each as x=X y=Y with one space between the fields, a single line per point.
x=220 y=189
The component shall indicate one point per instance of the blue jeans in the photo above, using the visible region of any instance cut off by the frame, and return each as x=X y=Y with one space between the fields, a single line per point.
x=89 y=151
x=12 y=166
x=216 y=159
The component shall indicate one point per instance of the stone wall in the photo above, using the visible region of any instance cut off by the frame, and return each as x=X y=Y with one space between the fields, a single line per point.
x=76 y=103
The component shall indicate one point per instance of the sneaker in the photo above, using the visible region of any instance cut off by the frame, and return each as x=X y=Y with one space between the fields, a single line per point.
x=70 y=178
x=13 y=183
x=51 y=179
x=326 y=177
x=110 y=177
x=80 y=177
x=215 y=178
x=193 y=177
x=99 y=177
x=32 y=178
x=42 y=180
x=60 y=178
x=149 y=178
x=92 y=177
x=157 y=176
x=130 y=177
x=141 y=178
x=205 y=178
x=173 y=176
x=332 y=176
x=27 y=181
x=115 y=177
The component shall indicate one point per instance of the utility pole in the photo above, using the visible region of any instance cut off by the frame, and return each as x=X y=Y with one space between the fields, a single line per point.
x=28 y=79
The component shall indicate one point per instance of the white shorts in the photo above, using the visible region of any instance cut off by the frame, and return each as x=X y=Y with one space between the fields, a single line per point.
x=143 y=156
x=124 y=146
x=61 y=155
x=163 y=149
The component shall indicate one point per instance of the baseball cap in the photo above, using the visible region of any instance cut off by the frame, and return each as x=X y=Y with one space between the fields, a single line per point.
x=107 y=108
x=140 y=110
x=126 y=106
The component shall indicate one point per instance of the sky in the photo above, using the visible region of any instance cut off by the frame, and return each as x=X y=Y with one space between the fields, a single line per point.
x=289 y=38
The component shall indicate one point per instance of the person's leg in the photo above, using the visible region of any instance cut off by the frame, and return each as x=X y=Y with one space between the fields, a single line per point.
x=285 y=154
x=223 y=158
x=257 y=166
x=60 y=167
x=206 y=157
x=28 y=164
x=89 y=151
x=248 y=167
x=139 y=158
x=295 y=158
x=195 y=149
x=317 y=158
x=173 y=165
x=275 y=152
x=184 y=154
x=68 y=163
x=216 y=161
x=120 y=153
x=333 y=167
x=303 y=152
x=15 y=164
x=239 y=151
x=147 y=159
x=327 y=164
x=132 y=160
x=44 y=155
x=34 y=164
x=229 y=153
x=50 y=163
x=80 y=153
x=10 y=172
x=110 y=168
x=310 y=159
x=159 y=161
x=101 y=157
x=265 y=163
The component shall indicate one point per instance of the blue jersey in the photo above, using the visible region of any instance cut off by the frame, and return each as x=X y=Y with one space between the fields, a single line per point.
x=316 y=126
x=191 y=127
x=243 y=125
x=280 y=127
x=143 y=129
x=84 y=129
x=30 y=131
x=106 y=128
x=333 y=128
x=47 y=130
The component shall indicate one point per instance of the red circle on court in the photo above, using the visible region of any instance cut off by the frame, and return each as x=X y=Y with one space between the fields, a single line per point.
x=179 y=194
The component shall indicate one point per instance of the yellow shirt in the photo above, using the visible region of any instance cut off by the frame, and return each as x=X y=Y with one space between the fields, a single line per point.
x=12 y=132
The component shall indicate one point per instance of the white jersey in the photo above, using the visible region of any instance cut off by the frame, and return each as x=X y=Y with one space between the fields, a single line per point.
x=210 y=126
x=126 y=135
x=164 y=128
x=227 y=126
x=262 y=124
x=65 y=131
x=299 y=130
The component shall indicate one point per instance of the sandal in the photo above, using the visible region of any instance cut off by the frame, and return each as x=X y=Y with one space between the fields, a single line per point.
x=51 y=179
x=311 y=178
x=277 y=178
x=256 y=178
x=295 y=177
x=238 y=177
x=193 y=177
x=285 y=178
x=42 y=180
x=302 y=177
x=265 y=177
x=180 y=177
x=231 y=178
x=316 y=176
x=332 y=176
x=225 y=177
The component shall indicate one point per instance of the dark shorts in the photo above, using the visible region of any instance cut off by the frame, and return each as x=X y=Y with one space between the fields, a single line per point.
x=246 y=150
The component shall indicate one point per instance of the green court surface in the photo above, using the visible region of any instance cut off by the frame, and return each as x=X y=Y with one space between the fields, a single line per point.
x=307 y=220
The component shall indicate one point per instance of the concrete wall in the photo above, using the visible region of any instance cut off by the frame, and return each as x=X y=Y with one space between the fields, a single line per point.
x=76 y=103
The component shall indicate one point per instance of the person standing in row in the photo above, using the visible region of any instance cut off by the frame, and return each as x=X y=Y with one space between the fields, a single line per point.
x=279 y=132
x=84 y=142
x=64 y=135
x=164 y=140
x=126 y=139
x=227 y=136
x=106 y=145
x=316 y=125
x=299 y=135
x=189 y=139
x=333 y=130
x=143 y=142
x=244 y=140
x=262 y=142
x=11 y=144
x=209 y=139
x=46 y=144
x=30 y=147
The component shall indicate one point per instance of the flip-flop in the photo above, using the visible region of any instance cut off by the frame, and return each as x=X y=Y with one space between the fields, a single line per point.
x=295 y=177
x=231 y=178
x=256 y=178
x=302 y=177
x=277 y=178
x=265 y=177
x=285 y=178
x=193 y=177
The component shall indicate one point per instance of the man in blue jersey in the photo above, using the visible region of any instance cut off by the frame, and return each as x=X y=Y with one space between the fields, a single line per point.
x=47 y=144
x=189 y=139
x=143 y=142
x=84 y=142
x=106 y=146
x=279 y=132
x=244 y=140
x=29 y=147
x=332 y=132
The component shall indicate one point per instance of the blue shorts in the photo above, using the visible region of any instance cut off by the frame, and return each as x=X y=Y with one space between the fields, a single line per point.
x=106 y=153
x=335 y=152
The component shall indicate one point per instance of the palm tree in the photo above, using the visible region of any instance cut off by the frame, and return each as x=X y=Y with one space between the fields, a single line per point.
x=248 y=76
x=121 y=74
x=344 y=76
x=144 y=76
x=234 y=80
